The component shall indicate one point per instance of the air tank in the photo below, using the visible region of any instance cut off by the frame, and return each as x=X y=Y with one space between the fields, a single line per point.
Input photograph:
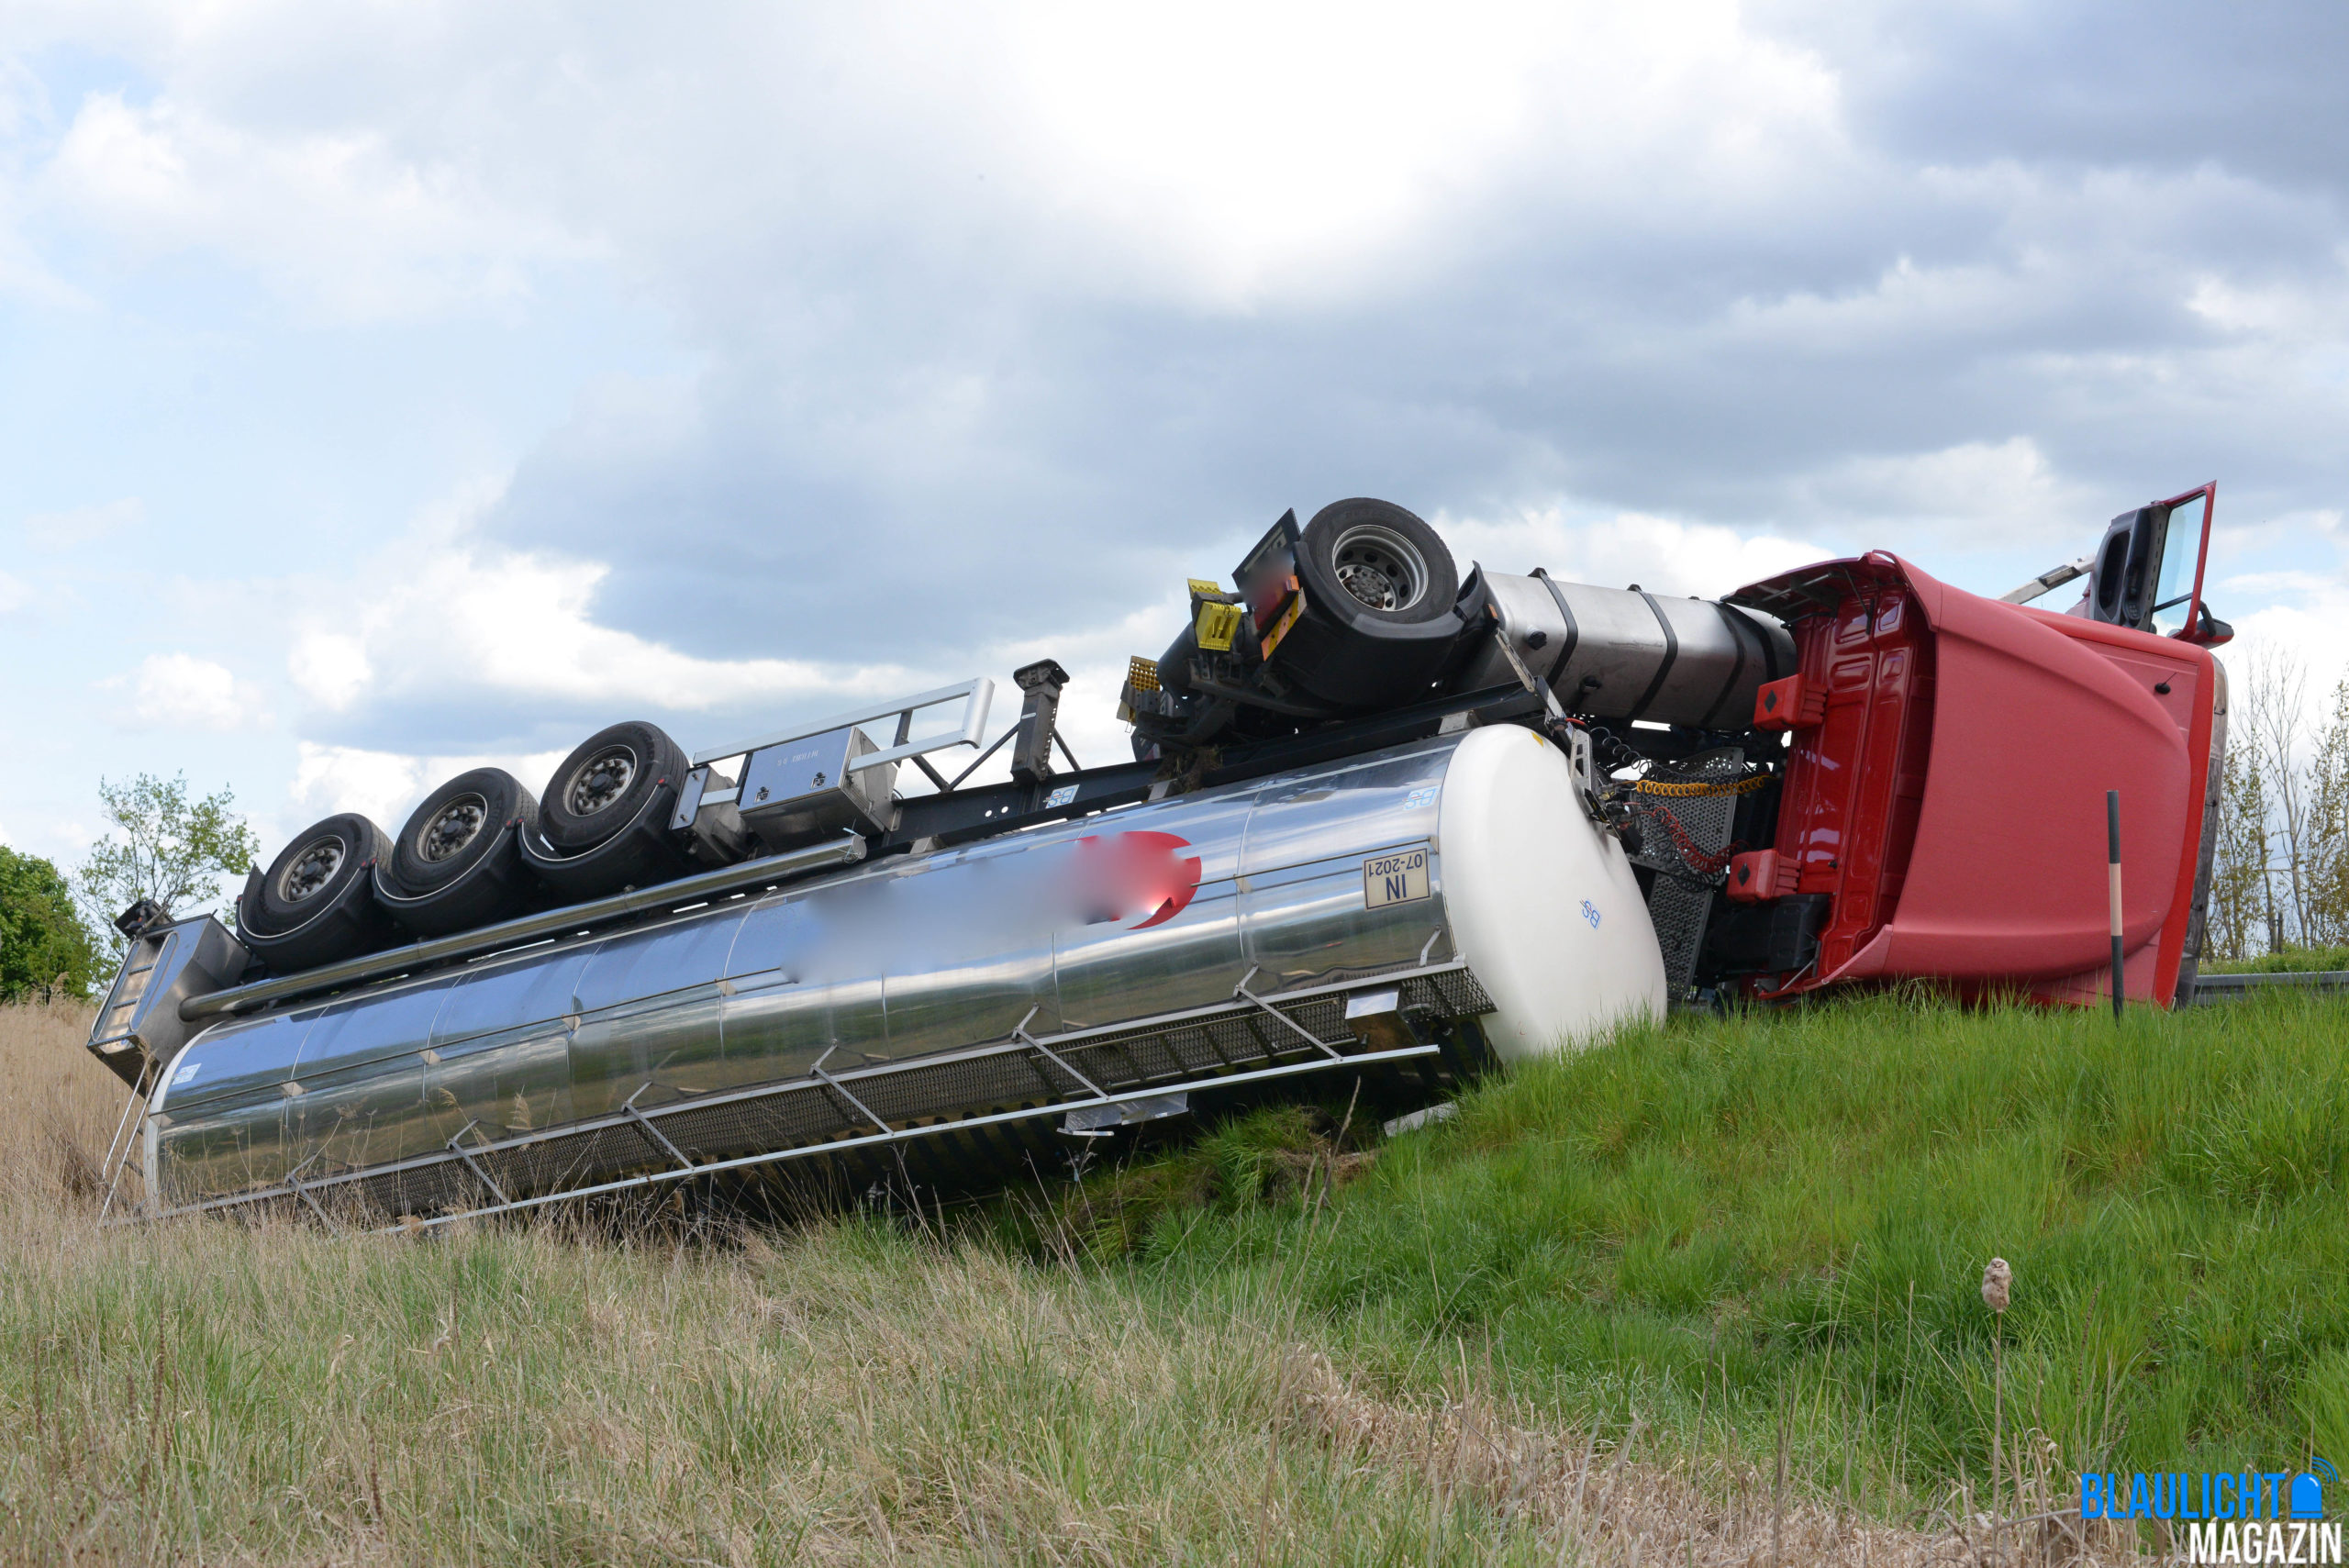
x=1469 y=847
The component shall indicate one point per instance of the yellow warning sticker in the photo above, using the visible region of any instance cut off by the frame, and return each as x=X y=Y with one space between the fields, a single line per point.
x=1399 y=878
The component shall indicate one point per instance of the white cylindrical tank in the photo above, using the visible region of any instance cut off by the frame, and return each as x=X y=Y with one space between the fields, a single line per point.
x=1542 y=905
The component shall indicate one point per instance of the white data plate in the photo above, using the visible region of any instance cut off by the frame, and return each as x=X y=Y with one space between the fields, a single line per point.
x=1398 y=878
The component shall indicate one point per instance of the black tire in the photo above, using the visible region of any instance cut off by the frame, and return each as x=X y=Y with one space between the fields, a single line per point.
x=643 y=854
x=317 y=866
x=457 y=863
x=1384 y=607
x=1371 y=564
x=316 y=904
x=603 y=785
x=459 y=826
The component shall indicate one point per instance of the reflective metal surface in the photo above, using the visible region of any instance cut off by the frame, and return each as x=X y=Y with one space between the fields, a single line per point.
x=1134 y=913
x=968 y=725
x=936 y=1111
x=1621 y=654
x=806 y=788
x=139 y=1027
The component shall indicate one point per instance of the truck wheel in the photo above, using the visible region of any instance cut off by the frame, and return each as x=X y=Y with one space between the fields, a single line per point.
x=1376 y=566
x=317 y=868
x=456 y=862
x=1384 y=607
x=458 y=827
x=604 y=821
x=602 y=786
x=316 y=904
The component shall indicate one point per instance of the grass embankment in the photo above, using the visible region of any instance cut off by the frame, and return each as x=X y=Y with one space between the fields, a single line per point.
x=868 y=1391
x=1728 y=1230
x=1577 y=1318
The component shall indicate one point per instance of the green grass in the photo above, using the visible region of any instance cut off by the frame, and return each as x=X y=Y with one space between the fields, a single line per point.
x=530 y=1398
x=1580 y=1321
x=1729 y=1225
x=2291 y=960
x=862 y=1391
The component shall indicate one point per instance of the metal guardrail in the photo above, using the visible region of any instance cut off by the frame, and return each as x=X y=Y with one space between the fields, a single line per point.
x=1251 y=1039
x=2234 y=987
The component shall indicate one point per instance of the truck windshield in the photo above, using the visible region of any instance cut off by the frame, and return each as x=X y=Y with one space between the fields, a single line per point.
x=2181 y=548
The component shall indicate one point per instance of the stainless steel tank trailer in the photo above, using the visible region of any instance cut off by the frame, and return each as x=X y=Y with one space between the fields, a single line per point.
x=1384 y=823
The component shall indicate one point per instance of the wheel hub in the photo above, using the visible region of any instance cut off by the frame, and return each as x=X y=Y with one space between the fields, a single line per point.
x=602 y=779
x=311 y=871
x=1369 y=584
x=1379 y=567
x=456 y=826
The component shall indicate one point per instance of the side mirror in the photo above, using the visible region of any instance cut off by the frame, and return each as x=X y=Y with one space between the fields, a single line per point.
x=2207 y=631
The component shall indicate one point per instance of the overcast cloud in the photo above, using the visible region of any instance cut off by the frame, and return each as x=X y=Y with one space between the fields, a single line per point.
x=385 y=389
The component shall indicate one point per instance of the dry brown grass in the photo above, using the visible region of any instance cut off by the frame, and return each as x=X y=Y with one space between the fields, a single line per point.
x=857 y=1394
x=1602 y=1505
x=57 y=1106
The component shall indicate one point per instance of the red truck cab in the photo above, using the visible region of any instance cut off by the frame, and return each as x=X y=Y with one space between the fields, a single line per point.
x=1943 y=812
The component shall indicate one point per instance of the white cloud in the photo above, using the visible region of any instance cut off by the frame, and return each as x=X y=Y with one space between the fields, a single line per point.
x=330 y=667
x=179 y=691
x=82 y=525
x=2235 y=538
x=2312 y=633
x=992 y=292
x=1978 y=492
x=1296 y=148
x=2308 y=310
x=385 y=786
x=341 y=217
x=446 y=613
x=1245 y=153
x=1095 y=658
x=1661 y=554
x=523 y=625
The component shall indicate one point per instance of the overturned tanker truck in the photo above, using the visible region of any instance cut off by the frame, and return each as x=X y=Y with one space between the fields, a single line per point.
x=1386 y=823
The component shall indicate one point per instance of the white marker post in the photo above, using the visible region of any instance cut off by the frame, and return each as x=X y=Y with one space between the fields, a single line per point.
x=2112 y=868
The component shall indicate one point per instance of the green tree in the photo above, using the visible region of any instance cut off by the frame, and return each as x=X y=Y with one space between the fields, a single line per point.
x=45 y=949
x=2272 y=722
x=2239 y=890
x=2328 y=868
x=165 y=847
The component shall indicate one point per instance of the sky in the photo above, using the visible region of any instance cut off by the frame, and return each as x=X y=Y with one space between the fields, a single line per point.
x=390 y=388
